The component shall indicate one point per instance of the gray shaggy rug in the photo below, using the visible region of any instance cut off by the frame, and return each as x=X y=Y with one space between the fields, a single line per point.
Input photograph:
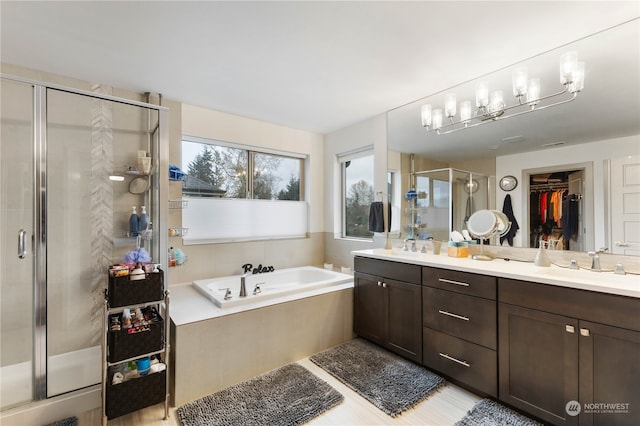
x=69 y=421
x=388 y=381
x=491 y=413
x=290 y=395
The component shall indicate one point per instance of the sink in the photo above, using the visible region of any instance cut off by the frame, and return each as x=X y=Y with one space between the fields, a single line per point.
x=588 y=276
x=397 y=252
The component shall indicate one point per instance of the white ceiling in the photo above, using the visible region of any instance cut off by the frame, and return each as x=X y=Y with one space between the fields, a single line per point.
x=316 y=66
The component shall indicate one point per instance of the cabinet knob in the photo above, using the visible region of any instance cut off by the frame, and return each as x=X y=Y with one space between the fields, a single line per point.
x=379 y=283
x=384 y=285
x=570 y=328
x=584 y=332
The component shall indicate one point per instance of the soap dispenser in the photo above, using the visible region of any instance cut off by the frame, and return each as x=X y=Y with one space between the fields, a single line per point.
x=134 y=230
x=143 y=220
x=541 y=257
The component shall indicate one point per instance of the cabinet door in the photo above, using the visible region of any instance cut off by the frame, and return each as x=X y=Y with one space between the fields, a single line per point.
x=609 y=374
x=369 y=319
x=538 y=362
x=404 y=304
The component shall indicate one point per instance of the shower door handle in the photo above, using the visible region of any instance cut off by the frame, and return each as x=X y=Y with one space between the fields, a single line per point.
x=22 y=244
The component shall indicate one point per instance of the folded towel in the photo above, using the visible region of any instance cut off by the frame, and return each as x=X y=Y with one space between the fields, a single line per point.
x=376 y=217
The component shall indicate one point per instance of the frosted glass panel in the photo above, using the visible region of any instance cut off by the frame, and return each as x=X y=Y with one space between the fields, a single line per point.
x=222 y=220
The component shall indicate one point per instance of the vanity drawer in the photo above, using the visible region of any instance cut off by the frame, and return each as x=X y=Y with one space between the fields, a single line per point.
x=391 y=270
x=460 y=282
x=467 y=317
x=463 y=361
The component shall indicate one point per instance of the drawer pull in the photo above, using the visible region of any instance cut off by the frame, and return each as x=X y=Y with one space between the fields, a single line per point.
x=444 y=280
x=450 y=358
x=453 y=315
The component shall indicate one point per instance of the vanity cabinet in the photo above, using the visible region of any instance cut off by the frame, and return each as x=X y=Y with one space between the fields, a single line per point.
x=459 y=327
x=558 y=344
x=388 y=305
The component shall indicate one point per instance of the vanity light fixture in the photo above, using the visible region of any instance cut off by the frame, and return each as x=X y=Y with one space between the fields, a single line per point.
x=491 y=105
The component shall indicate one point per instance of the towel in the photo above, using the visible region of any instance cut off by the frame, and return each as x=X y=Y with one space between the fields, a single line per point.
x=507 y=209
x=376 y=217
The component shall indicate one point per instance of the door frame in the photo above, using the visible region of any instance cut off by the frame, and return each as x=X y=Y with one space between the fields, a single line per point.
x=587 y=200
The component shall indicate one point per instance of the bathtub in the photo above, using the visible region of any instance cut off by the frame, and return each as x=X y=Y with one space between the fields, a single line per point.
x=275 y=284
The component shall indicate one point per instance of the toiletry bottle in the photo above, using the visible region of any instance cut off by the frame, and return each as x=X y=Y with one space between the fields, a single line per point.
x=143 y=219
x=133 y=223
x=172 y=257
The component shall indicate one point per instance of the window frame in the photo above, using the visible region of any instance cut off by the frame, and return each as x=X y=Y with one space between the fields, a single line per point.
x=251 y=151
x=342 y=159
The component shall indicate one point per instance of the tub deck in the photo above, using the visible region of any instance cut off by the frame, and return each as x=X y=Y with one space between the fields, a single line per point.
x=272 y=285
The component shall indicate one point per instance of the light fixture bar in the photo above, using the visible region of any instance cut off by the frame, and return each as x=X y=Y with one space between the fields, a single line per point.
x=491 y=106
x=489 y=117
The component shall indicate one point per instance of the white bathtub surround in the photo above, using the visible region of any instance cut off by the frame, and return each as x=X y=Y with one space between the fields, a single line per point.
x=271 y=285
x=214 y=347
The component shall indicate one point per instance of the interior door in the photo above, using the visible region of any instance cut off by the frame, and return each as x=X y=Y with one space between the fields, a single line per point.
x=625 y=204
x=576 y=187
x=16 y=250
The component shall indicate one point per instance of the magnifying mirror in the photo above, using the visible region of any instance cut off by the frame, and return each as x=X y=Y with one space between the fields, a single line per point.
x=484 y=224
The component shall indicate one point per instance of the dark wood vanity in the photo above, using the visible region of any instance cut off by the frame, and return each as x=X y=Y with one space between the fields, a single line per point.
x=533 y=346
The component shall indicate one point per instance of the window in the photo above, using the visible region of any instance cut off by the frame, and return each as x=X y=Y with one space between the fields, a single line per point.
x=227 y=203
x=357 y=190
x=220 y=170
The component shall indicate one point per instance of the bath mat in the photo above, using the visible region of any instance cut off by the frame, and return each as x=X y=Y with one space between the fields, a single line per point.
x=491 y=413
x=290 y=395
x=69 y=421
x=388 y=381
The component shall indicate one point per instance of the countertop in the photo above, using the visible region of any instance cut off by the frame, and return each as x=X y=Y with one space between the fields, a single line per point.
x=603 y=282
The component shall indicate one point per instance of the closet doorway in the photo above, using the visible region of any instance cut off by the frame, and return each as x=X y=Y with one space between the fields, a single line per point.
x=560 y=208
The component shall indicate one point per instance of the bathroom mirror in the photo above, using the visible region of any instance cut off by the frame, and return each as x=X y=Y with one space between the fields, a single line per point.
x=606 y=109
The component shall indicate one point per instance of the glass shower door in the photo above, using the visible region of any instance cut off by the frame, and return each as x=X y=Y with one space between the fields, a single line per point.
x=16 y=250
x=92 y=146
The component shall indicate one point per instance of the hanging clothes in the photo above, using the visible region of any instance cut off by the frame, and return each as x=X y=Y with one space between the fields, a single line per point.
x=507 y=209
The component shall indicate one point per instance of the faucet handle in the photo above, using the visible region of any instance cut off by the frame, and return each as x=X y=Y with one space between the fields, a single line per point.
x=619 y=269
x=257 y=290
x=573 y=264
x=227 y=294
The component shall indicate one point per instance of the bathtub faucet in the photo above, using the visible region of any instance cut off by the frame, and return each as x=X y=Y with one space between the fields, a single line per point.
x=243 y=287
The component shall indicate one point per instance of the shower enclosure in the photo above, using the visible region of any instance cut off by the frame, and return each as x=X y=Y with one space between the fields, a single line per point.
x=68 y=159
x=445 y=198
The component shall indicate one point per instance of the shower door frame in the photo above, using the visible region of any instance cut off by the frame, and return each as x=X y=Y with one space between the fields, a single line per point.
x=39 y=238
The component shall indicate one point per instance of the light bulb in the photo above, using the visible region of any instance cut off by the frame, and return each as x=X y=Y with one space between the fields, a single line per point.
x=465 y=111
x=568 y=63
x=519 y=80
x=578 y=78
x=482 y=94
x=437 y=118
x=533 y=92
x=450 y=105
x=497 y=101
x=426 y=115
